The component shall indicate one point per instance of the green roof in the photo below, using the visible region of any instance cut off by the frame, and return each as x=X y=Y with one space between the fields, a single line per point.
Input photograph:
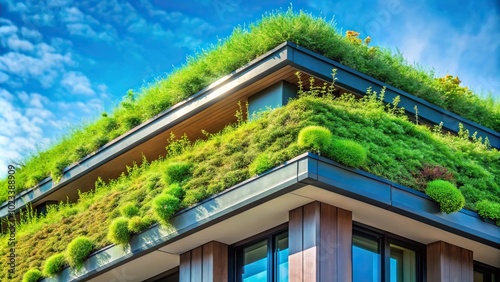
x=241 y=47
x=397 y=149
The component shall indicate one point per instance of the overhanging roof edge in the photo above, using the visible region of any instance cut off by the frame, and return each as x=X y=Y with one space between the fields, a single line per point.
x=303 y=170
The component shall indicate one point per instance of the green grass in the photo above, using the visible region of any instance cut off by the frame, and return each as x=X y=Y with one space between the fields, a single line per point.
x=397 y=150
x=54 y=264
x=32 y=275
x=241 y=47
x=78 y=250
x=119 y=233
x=450 y=199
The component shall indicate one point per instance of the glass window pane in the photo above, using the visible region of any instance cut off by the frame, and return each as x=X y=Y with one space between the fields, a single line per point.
x=366 y=259
x=281 y=243
x=255 y=262
x=403 y=264
x=478 y=276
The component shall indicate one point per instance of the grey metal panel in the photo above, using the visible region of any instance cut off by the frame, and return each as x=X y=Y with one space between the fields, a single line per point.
x=353 y=184
x=423 y=208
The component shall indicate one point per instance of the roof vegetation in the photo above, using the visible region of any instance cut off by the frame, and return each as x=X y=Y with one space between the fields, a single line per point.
x=241 y=47
x=395 y=148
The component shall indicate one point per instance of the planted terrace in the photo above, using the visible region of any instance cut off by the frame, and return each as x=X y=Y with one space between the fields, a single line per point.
x=396 y=149
x=151 y=191
x=240 y=48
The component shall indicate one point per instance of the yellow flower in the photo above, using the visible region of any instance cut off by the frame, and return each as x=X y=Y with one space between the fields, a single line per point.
x=368 y=40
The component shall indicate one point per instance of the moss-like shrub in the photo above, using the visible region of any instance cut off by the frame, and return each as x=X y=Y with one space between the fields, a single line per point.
x=32 y=275
x=176 y=172
x=489 y=209
x=118 y=232
x=164 y=206
x=129 y=210
x=136 y=224
x=315 y=138
x=175 y=190
x=261 y=164
x=347 y=152
x=53 y=265
x=78 y=250
x=446 y=194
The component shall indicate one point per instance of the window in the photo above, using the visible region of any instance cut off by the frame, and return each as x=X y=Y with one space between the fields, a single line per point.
x=264 y=259
x=485 y=273
x=379 y=256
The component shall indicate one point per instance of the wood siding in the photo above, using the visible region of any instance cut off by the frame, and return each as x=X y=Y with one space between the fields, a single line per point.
x=207 y=263
x=447 y=262
x=320 y=242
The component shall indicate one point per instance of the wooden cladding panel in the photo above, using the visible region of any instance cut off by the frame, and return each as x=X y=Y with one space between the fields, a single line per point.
x=207 y=263
x=447 y=262
x=320 y=238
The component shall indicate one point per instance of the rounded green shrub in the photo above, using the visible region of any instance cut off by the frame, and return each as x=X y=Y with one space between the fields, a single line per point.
x=261 y=164
x=53 y=265
x=118 y=232
x=315 y=138
x=489 y=209
x=347 y=152
x=446 y=194
x=32 y=275
x=129 y=210
x=136 y=224
x=175 y=190
x=176 y=172
x=78 y=250
x=164 y=206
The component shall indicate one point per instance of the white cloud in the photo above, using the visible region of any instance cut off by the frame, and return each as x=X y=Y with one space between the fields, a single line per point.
x=17 y=44
x=22 y=126
x=43 y=66
x=7 y=28
x=31 y=33
x=3 y=77
x=77 y=83
x=81 y=29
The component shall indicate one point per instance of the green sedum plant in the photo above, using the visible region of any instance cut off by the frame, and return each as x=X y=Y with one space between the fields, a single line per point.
x=175 y=190
x=315 y=138
x=137 y=224
x=446 y=194
x=54 y=264
x=129 y=210
x=489 y=209
x=261 y=164
x=78 y=250
x=118 y=232
x=176 y=172
x=164 y=206
x=32 y=275
x=347 y=152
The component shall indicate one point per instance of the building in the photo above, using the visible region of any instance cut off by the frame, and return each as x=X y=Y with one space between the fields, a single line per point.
x=308 y=219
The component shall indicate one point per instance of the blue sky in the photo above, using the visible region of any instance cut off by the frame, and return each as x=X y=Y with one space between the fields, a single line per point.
x=64 y=62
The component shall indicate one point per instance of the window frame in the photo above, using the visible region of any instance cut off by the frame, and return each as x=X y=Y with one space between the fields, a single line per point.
x=236 y=252
x=385 y=239
x=489 y=270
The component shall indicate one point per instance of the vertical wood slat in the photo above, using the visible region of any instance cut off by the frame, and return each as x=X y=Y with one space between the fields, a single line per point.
x=185 y=267
x=197 y=264
x=295 y=245
x=447 y=262
x=320 y=242
x=344 y=238
x=207 y=263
